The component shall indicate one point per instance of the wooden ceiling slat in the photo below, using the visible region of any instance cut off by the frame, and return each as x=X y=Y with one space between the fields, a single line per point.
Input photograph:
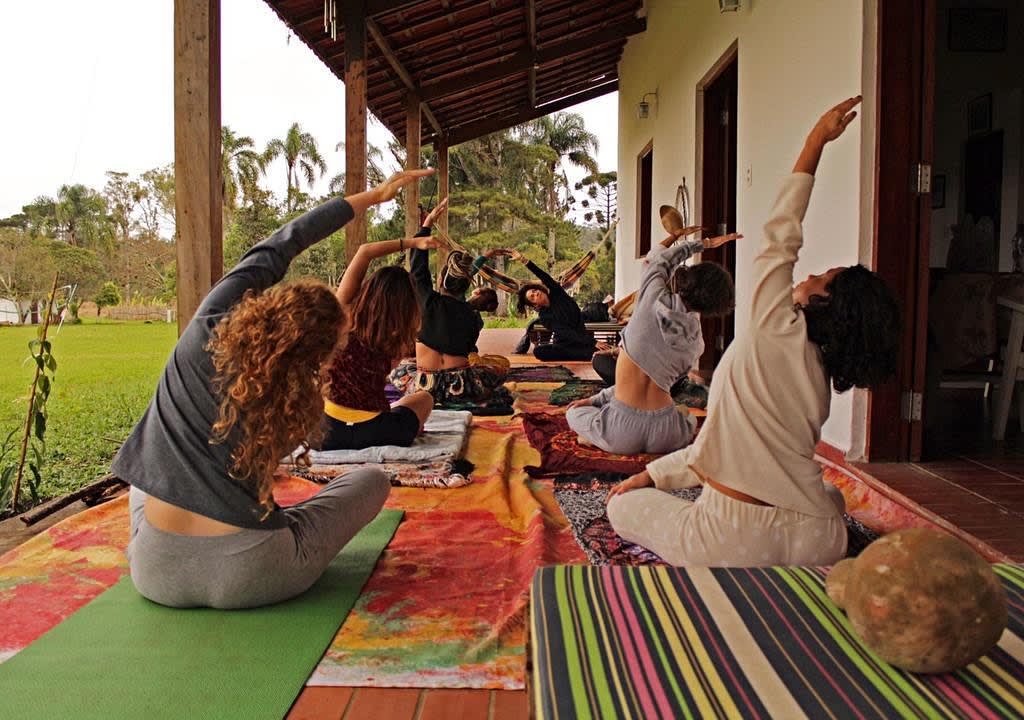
x=479 y=65
x=469 y=131
x=520 y=61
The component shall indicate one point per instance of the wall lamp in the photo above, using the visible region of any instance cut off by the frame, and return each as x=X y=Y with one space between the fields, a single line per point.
x=644 y=109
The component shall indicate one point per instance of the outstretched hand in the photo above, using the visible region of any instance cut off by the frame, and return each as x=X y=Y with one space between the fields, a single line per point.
x=428 y=221
x=388 y=189
x=517 y=256
x=832 y=124
x=711 y=243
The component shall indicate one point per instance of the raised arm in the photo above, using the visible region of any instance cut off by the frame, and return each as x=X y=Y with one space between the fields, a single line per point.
x=772 y=300
x=352 y=280
x=662 y=261
x=553 y=286
x=419 y=259
x=267 y=262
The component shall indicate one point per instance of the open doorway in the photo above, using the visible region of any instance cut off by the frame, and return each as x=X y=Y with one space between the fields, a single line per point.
x=716 y=189
x=976 y=212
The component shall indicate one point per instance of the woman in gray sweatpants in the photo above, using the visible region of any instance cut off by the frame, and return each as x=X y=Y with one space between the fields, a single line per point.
x=660 y=344
x=241 y=390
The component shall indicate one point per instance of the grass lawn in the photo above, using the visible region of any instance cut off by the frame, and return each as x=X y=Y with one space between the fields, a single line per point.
x=106 y=374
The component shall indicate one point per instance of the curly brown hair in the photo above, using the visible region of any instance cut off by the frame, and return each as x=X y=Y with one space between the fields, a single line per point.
x=267 y=355
x=386 y=313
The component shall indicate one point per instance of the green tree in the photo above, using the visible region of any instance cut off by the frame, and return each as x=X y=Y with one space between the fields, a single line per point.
x=600 y=198
x=241 y=167
x=81 y=215
x=566 y=134
x=157 y=203
x=26 y=268
x=301 y=156
x=108 y=296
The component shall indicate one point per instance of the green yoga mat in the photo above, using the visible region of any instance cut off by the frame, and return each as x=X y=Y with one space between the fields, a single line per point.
x=122 y=656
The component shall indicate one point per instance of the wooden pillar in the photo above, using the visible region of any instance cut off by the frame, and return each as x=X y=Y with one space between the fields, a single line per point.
x=441 y=146
x=412 y=162
x=197 y=162
x=355 y=117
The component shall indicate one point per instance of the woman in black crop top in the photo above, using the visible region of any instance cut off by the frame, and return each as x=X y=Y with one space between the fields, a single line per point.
x=446 y=363
x=559 y=313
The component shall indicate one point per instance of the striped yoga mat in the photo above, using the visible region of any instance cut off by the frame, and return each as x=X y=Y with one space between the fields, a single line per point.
x=661 y=642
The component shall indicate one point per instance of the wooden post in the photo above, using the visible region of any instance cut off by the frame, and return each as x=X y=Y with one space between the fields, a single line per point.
x=412 y=162
x=355 y=117
x=441 y=146
x=197 y=161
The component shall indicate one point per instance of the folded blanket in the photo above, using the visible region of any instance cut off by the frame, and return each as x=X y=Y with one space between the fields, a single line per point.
x=443 y=438
x=435 y=474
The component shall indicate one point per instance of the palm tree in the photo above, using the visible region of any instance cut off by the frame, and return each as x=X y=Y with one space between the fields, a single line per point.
x=241 y=167
x=300 y=155
x=566 y=134
x=375 y=170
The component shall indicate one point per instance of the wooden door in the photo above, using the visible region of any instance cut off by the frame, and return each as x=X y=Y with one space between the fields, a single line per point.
x=718 y=196
x=906 y=82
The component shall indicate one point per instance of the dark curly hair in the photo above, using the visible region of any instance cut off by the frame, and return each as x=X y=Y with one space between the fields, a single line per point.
x=706 y=288
x=522 y=304
x=857 y=327
x=484 y=300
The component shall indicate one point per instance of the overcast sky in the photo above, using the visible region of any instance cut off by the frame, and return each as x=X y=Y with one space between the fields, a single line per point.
x=88 y=87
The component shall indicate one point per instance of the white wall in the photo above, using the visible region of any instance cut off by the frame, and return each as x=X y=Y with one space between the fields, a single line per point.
x=796 y=59
x=959 y=78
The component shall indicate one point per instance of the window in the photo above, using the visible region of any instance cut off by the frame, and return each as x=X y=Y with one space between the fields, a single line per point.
x=644 y=208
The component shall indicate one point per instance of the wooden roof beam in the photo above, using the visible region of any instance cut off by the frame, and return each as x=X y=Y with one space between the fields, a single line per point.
x=531 y=34
x=484 y=126
x=403 y=74
x=525 y=60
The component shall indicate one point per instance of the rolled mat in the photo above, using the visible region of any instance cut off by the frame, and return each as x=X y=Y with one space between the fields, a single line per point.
x=122 y=656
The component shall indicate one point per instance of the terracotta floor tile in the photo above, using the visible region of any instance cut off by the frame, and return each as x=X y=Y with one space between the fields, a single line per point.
x=455 y=705
x=380 y=703
x=320 y=703
x=510 y=705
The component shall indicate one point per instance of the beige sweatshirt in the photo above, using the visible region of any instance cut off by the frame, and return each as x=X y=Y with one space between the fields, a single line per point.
x=770 y=394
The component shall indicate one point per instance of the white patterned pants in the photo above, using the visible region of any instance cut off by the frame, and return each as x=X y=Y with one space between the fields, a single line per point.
x=719 y=531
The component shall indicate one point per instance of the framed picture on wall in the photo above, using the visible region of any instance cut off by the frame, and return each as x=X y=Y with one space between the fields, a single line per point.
x=938 y=191
x=977 y=29
x=979 y=115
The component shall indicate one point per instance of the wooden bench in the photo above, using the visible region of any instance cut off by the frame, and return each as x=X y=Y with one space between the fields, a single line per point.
x=607 y=332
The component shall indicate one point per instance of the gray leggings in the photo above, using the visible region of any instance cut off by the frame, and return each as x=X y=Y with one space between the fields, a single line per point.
x=250 y=568
x=618 y=428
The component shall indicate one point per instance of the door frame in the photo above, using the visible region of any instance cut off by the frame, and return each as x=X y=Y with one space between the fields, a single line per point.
x=718 y=68
x=902 y=216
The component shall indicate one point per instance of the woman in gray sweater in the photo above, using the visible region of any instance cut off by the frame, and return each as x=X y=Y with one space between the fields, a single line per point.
x=659 y=346
x=241 y=390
